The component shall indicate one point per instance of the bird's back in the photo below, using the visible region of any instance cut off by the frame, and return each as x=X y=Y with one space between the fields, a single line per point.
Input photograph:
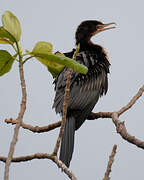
x=85 y=90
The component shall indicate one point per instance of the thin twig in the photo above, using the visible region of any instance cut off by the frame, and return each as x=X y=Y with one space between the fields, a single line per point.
x=64 y=168
x=19 y=118
x=132 y=101
x=64 y=112
x=94 y=116
x=110 y=162
x=65 y=104
x=35 y=129
x=121 y=129
x=38 y=129
x=27 y=158
x=27 y=59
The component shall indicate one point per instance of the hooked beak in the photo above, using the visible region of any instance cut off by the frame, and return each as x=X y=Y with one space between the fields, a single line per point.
x=104 y=27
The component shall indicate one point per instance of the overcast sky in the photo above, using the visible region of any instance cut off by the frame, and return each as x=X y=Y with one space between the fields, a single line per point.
x=56 y=22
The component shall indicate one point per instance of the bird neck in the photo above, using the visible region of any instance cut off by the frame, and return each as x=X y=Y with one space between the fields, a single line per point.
x=89 y=45
x=96 y=49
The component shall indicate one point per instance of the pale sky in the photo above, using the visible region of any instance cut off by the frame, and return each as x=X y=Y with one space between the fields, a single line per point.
x=56 y=22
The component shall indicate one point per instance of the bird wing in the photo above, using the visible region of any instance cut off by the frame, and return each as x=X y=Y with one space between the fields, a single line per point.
x=84 y=89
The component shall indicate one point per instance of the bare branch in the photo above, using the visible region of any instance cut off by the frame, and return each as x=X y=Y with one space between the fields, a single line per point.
x=121 y=129
x=110 y=162
x=38 y=129
x=28 y=157
x=64 y=112
x=94 y=116
x=65 y=104
x=132 y=101
x=64 y=168
x=35 y=129
x=19 y=118
x=59 y=163
x=120 y=126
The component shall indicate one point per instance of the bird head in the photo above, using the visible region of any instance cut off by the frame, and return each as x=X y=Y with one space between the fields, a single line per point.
x=89 y=28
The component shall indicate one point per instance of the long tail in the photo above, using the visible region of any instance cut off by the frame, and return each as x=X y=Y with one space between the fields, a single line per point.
x=67 y=144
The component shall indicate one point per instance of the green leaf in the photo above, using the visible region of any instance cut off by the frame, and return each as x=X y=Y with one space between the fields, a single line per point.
x=5 y=41
x=42 y=47
x=6 y=35
x=55 y=63
x=11 y=24
x=46 y=47
x=6 y=62
x=55 y=68
x=49 y=60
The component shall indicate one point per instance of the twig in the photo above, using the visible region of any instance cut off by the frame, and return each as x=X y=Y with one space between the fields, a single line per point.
x=132 y=101
x=64 y=168
x=110 y=162
x=59 y=163
x=19 y=118
x=121 y=129
x=27 y=158
x=65 y=104
x=38 y=129
x=94 y=116
x=120 y=126
x=27 y=59
x=64 y=112
x=35 y=129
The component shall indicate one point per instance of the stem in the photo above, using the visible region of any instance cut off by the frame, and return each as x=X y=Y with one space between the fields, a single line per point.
x=26 y=54
x=110 y=162
x=20 y=115
x=27 y=59
x=14 y=47
x=65 y=104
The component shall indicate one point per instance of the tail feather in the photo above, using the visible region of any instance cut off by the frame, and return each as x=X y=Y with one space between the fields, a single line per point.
x=67 y=144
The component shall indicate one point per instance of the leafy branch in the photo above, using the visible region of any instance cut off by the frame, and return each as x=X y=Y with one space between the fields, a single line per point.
x=10 y=33
x=19 y=118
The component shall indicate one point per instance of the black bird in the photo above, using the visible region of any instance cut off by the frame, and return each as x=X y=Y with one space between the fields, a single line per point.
x=85 y=90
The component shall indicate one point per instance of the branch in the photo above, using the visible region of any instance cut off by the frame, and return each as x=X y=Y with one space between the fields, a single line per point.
x=98 y=115
x=110 y=162
x=38 y=129
x=67 y=88
x=19 y=118
x=65 y=104
x=59 y=163
x=121 y=111
x=64 y=168
x=120 y=126
x=35 y=129
x=27 y=158
x=121 y=129
x=132 y=101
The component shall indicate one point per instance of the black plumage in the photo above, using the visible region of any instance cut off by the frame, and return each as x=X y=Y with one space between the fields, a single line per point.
x=85 y=90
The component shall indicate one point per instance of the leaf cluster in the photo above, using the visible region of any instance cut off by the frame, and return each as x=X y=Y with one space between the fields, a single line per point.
x=10 y=34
